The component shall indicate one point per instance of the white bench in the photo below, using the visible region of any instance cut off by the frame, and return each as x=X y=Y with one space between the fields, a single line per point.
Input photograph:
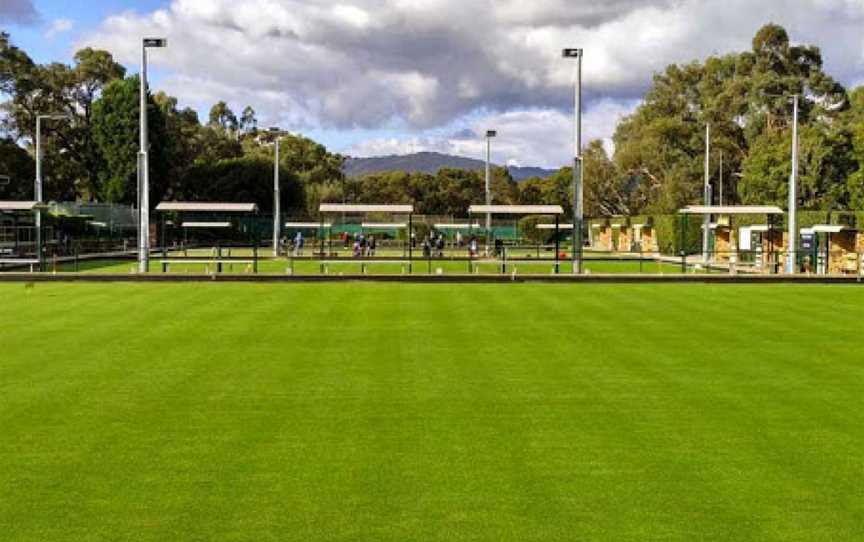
x=364 y=263
x=20 y=261
x=195 y=261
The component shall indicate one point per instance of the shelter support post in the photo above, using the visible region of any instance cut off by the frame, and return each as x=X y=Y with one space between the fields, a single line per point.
x=410 y=248
x=557 y=246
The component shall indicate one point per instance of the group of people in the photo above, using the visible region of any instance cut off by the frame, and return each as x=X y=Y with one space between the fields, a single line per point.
x=363 y=246
x=434 y=243
x=296 y=244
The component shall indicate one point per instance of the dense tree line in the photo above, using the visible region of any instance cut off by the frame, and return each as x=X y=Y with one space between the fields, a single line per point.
x=745 y=97
x=92 y=155
x=657 y=165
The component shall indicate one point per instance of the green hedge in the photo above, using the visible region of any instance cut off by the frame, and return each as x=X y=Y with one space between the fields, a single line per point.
x=807 y=219
x=668 y=229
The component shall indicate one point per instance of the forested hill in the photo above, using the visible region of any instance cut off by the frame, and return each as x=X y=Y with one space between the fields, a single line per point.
x=430 y=162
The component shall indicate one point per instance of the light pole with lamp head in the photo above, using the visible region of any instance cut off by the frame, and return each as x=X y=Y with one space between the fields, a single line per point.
x=277 y=203
x=37 y=189
x=578 y=171
x=144 y=161
x=793 y=194
x=706 y=195
x=489 y=135
x=792 y=222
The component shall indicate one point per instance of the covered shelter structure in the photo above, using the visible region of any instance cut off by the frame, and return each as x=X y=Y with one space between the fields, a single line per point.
x=723 y=247
x=17 y=250
x=831 y=248
x=456 y=231
x=382 y=217
x=554 y=211
x=320 y=231
x=558 y=229
x=212 y=231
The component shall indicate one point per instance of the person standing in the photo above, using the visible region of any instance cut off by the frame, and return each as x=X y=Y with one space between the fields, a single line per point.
x=298 y=243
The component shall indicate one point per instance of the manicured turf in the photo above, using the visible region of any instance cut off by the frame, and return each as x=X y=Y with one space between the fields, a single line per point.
x=395 y=412
x=347 y=266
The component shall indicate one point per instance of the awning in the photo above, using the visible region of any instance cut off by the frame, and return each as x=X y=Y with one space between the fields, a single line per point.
x=731 y=210
x=21 y=206
x=308 y=225
x=384 y=225
x=516 y=210
x=375 y=208
x=206 y=224
x=552 y=226
x=464 y=226
x=826 y=228
x=206 y=207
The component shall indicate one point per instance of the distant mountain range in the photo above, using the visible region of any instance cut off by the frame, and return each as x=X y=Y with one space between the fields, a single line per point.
x=430 y=162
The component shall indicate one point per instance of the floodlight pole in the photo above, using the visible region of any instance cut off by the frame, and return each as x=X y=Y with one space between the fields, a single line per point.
x=37 y=188
x=793 y=194
x=706 y=221
x=489 y=135
x=144 y=162
x=578 y=163
x=277 y=211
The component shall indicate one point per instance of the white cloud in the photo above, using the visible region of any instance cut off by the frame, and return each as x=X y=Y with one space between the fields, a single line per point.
x=418 y=65
x=539 y=137
x=58 y=26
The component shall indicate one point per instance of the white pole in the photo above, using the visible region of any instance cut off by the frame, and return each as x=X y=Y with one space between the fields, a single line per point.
x=706 y=222
x=578 y=172
x=793 y=194
x=37 y=189
x=488 y=188
x=277 y=216
x=143 y=174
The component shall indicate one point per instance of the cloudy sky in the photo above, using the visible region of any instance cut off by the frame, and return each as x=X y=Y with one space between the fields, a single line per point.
x=369 y=77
